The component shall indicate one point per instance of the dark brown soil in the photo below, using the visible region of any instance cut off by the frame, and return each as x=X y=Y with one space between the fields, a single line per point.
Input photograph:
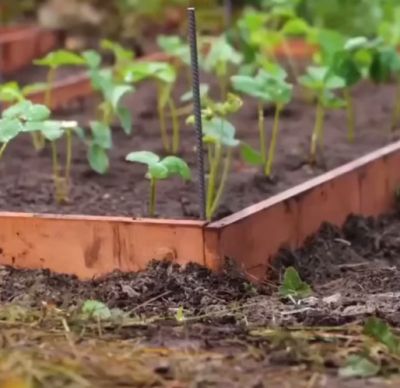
x=234 y=333
x=27 y=184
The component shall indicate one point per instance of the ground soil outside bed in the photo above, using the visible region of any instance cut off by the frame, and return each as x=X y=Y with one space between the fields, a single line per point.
x=235 y=333
x=27 y=184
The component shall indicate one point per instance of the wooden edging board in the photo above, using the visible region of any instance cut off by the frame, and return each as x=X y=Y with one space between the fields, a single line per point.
x=92 y=246
x=20 y=45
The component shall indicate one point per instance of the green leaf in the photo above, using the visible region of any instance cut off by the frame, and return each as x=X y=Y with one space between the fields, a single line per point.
x=116 y=93
x=122 y=55
x=359 y=366
x=250 y=155
x=295 y=27
x=381 y=332
x=345 y=66
x=33 y=88
x=140 y=71
x=125 y=118
x=245 y=84
x=101 y=134
x=98 y=158
x=173 y=45
x=356 y=43
x=97 y=310
x=157 y=171
x=177 y=166
x=92 y=58
x=51 y=130
x=59 y=58
x=37 y=112
x=180 y=315
x=145 y=157
x=9 y=129
x=10 y=92
x=293 y=285
x=17 y=110
x=188 y=96
x=221 y=131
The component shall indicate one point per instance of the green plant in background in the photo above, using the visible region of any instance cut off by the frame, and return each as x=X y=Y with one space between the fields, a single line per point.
x=260 y=33
x=220 y=60
x=220 y=139
x=122 y=57
x=267 y=87
x=26 y=117
x=112 y=91
x=159 y=169
x=165 y=76
x=386 y=59
x=322 y=82
x=350 y=63
x=53 y=61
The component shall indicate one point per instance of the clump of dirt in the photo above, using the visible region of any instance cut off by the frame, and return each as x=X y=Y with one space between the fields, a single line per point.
x=162 y=286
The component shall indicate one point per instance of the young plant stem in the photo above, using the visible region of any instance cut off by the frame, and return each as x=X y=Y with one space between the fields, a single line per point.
x=291 y=62
x=163 y=123
x=223 y=86
x=317 y=132
x=59 y=192
x=274 y=139
x=175 y=126
x=261 y=132
x=396 y=110
x=214 y=168
x=39 y=141
x=153 y=197
x=351 y=118
x=68 y=158
x=222 y=184
x=2 y=149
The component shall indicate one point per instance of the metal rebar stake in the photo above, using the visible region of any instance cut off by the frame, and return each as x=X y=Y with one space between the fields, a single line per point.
x=228 y=13
x=197 y=110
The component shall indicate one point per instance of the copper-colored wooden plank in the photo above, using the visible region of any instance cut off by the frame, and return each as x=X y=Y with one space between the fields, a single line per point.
x=253 y=240
x=254 y=235
x=20 y=45
x=92 y=246
x=375 y=198
x=330 y=201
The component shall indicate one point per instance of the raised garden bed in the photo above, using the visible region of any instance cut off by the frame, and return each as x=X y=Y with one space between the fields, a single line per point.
x=19 y=45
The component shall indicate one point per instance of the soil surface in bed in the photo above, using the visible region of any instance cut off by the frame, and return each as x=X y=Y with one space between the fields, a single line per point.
x=26 y=176
x=233 y=333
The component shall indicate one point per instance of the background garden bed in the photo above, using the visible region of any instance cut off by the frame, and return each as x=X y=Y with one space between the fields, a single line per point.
x=123 y=191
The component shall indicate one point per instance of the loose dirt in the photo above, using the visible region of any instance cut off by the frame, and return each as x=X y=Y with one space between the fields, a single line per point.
x=187 y=327
x=27 y=182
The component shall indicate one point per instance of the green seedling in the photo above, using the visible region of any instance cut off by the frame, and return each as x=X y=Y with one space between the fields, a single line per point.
x=260 y=33
x=220 y=60
x=53 y=61
x=122 y=57
x=112 y=92
x=358 y=366
x=349 y=64
x=322 y=82
x=159 y=169
x=176 y=48
x=220 y=139
x=266 y=87
x=28 y=117
x=292 y=285
x=385 y=66
x=383 y=333
x=165 y=76
x=12 y=93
